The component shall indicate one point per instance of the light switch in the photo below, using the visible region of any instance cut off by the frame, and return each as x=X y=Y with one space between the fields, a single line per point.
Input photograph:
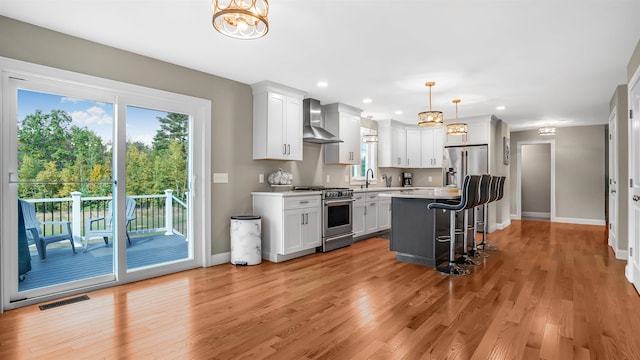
x=430 y=178
x=261 y=178
x=220 y=178
x=328 y=179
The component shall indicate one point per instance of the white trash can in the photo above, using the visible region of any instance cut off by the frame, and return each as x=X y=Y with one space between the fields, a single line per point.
x=246 y=243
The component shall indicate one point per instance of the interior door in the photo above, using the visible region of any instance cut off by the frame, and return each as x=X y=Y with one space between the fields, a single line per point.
x=633 y=264
x=613 y=181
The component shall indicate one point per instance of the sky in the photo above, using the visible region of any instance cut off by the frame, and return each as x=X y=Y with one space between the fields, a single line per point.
x=98 y=117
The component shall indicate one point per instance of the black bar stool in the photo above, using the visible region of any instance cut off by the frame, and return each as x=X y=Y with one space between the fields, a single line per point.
x=497 y=191
x=485 y=190
x=469 y=194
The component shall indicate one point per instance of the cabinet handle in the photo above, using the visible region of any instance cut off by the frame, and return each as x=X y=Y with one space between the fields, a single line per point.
x=304 y=202
x=284 y=149
x=636 y=197
x=372 y=204
x=302 y=219
x=288 y=149
x=306 y=218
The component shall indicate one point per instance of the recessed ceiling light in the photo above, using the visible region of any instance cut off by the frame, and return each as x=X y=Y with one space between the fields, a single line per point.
x=367 y=101
x=501 y=107
x=398 y=112
x=322 y=84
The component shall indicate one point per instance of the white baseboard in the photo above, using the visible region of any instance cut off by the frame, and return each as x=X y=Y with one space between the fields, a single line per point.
x=515 y=217
x=503 y=225
x=218 y=259
x=621 y=254
x=534 y=214
x=578 y=221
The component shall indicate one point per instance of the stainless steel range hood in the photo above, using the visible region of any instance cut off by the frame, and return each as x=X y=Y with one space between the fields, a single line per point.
x=312 y=129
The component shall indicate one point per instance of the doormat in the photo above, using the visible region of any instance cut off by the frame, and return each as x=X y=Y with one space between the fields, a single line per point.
x=64 y=302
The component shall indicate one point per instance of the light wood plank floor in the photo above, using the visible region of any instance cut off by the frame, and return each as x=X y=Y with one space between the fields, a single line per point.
x=552 y=291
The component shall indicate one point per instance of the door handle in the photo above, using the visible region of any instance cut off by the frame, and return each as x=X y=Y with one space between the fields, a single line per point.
x=613 y=191
x=636 y=197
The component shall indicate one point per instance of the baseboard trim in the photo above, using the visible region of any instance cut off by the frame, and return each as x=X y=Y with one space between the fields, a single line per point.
x=621 y=254
x=515 y=217
x=534 y=214
x=218 y=259
x=578 y=221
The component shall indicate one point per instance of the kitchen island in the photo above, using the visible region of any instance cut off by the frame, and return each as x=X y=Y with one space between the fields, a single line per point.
x=414 y=227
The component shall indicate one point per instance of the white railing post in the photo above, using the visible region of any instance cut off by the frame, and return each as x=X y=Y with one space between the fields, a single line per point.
x=76 y=216
x=168 y=211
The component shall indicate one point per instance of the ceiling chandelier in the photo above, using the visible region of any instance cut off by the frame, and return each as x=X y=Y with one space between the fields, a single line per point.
x=547 y=131
x=457 y=128
x=241 y=19
x=370 y=138
x=430 y=118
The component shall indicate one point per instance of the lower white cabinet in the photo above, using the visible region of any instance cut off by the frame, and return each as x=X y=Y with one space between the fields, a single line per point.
x=290 y=224
x=384 y=214
x=371 y=213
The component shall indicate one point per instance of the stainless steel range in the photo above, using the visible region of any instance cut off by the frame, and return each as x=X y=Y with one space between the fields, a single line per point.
x=337 y=216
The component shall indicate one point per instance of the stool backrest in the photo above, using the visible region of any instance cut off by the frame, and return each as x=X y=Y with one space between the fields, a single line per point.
x=470 y=192
x=501 y=187
x=485 y=187
x=495 y=185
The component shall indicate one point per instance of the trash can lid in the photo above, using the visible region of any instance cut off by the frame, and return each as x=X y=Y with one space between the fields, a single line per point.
x=245 y=217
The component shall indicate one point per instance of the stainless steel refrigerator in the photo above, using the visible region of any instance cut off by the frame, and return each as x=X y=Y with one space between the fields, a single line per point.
x=459 y=161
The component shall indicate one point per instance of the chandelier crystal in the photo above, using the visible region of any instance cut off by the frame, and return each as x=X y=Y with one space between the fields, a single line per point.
x=430 y=118
x=241 y=19
x=457 y=128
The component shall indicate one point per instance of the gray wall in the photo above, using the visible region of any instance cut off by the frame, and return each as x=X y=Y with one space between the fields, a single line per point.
x=619 y=101
x=580 y=170
x=536 y=178
x=499 y=215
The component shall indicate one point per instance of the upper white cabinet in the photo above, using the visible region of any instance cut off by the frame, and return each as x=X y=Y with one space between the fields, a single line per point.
x=392 y=144
x=432 y=139
x=277 y=122
x=478 y=132
x=342 y=121
x=414 y=147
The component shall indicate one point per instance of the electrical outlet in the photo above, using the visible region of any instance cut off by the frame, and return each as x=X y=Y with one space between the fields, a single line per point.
x=328 y=179
x=346 y=178
x=261 y=178
x=430 y=178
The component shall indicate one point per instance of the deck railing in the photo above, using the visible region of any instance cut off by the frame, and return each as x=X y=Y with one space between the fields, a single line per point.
x=153 y=213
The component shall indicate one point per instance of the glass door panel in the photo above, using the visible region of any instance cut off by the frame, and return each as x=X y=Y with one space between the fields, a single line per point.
x=63 y=184
x=157 y=187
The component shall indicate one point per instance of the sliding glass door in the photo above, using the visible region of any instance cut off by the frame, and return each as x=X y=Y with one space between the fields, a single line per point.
x=99 y=188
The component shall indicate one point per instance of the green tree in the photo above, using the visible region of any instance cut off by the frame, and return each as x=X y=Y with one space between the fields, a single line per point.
x=44 y=137
x=172 y=127
x=139 y=169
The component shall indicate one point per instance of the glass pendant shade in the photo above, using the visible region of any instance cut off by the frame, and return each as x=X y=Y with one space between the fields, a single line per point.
x=457 y=128
x=431 y=117
x=241 y=19
x=547 y=131
x=370 y=138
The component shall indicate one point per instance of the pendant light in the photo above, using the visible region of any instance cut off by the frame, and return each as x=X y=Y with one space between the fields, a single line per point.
x=241 y=19
x=457 y=128
x=430 y=118
x=547 y=131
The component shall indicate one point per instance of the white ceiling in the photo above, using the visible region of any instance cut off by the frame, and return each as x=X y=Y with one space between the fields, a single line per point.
x=549 y=62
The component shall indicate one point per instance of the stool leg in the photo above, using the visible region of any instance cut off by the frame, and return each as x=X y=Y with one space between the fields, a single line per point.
x=464 y=258
x=484 y=245
x=452 y=268
x=474 y=252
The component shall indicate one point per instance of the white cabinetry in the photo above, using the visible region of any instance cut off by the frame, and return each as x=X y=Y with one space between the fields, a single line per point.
x=342 y=121
x=478 y=132
x=358 y=214
x=290 y=224
x=392 y=144
x=432 y=147
x=277 y=122
x=371 y=213
x=414 y=147
x=384 y=214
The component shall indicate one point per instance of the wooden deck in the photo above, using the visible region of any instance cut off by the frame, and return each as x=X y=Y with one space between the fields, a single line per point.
x=63 y=266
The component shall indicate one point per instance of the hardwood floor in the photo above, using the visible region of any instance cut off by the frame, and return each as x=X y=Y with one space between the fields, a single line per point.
x=552 y=291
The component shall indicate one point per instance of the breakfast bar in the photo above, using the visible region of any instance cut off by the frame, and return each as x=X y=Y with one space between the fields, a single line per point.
x=414 y=227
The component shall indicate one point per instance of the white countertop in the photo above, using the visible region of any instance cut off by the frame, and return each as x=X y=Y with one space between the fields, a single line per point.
x=432 y=193
x=286 y=193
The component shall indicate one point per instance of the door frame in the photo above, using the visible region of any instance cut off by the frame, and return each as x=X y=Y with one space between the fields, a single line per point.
x=519 y=144
x=613 y=180
x=200 y=200
x=632 y=270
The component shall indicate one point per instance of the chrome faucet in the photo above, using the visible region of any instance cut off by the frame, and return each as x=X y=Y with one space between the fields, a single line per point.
x=366 y=182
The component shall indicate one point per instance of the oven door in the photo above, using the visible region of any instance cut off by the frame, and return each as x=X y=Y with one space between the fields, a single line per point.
x=337 y=218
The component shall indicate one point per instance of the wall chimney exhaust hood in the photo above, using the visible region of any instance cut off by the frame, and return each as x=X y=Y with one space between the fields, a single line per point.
x=312 y=130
